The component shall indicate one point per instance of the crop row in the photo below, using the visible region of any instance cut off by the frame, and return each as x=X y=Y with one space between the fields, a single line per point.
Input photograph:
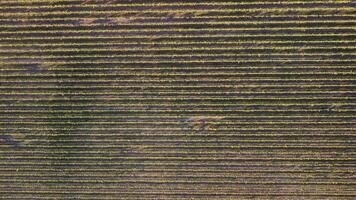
x=241 y=17
x=182 y=99
x=176 y=117
x=186 y=69
x=290 y=23
x=88 y=80
x=144 y=104
x=157 y=53
x=143 y=49
x=212 y=42
x=160 y=4
x=170 y=61
x=128 y=164
x=179 y=74
x=178 y=30
x=178 y=129
x=161 y=86
x=199 y=176
x=181 y=10
x=52 y=194
x=185 y=36
x=177 y=123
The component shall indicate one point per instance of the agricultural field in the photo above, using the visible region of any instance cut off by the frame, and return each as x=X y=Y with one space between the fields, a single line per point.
x=147 y=99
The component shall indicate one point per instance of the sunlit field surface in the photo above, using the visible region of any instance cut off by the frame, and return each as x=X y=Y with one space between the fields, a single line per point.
x=175 y=100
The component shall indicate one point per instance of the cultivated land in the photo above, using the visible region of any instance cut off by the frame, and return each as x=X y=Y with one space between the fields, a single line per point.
x=177 y=99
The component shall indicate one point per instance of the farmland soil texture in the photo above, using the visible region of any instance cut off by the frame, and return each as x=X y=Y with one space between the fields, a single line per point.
x=147 y=99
